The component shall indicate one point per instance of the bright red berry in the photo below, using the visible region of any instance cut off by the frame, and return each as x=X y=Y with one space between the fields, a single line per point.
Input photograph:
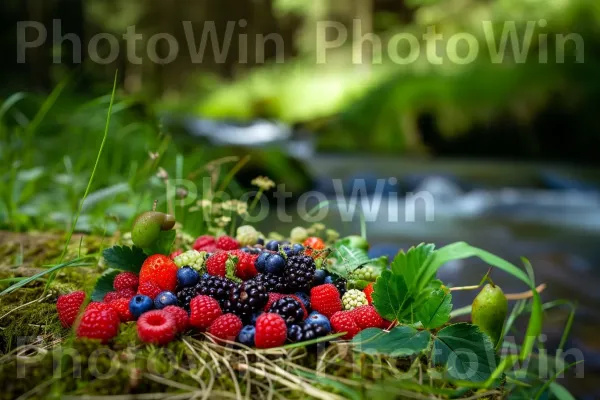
x=126 y=293
x=273 y=297
x=386 y=324
x=126 y=280
x=157 y=327
x=313 y=243
x=368 y=291
x=68 y=306
x=216 y=264
x=203 y=311
x=149 y=289
x=271 y=331
x=97 y=306
x=96 y=323
x=205 y=243
x=175 y=254
x=227 y=243
x=343 y=321
x=161 y=270
x=226 y=327
x=245 y=268
x=110 y=296
x=325 y=299
x=367 y=317
x=182 y=319
x=121 y=306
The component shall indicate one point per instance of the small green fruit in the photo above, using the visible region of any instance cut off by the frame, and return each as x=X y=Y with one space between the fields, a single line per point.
x=147 y=227
x=357 y=242
x=489 y=311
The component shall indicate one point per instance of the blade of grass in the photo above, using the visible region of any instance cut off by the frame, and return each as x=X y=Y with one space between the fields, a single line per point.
x=551 y=380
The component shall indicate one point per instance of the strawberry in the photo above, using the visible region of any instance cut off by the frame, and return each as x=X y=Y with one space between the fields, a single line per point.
x=68 y=306
x=160 y=270
x=245 y=268
x=343 y=321
x=368 y=291
x=216 y=264
x=367 y=317
x=325 y=299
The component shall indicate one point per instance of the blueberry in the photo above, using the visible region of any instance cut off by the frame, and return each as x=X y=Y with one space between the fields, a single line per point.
x=298 y=248
x=260 y=241
x=255 y=317
x=187 y=276
x=275 y=264
x=273 y=245
x=328 y=279
x=165 y=299
x=288 y=250
x=261 y=260
x=246 y=335
x=320 y=277
x=304 y=298
x=139 y=304
x=320 y=320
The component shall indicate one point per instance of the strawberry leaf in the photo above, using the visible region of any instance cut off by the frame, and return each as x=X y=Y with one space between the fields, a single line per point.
x=104 y=284
x=465 y=351
x=390 y=296
x=401 y=341
x=435 y=311
x=124 y=258
x=410 y=263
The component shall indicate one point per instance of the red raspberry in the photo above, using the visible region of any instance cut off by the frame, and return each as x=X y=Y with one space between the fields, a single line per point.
x=273 y=297
x=161 y=270
x=126 y=280
x=110 y=296
x=271 y=331
x=215 y=264
x=226 y=327
x=182 y=319
x=325 y=299
x=203 y=311
x=156 y=327
x=368 y=291
x=97 y=306
x=205 y=243
x=343 y=321
x=127 y=293
x=149 y=289
x=245 y=268
x=121 y=306
x=99 y=324
x=227 y=243
x=175 y=254
x=367 y=317
x=68 y=306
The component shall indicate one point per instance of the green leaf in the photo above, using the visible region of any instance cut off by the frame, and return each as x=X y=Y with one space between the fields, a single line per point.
x=466 y=351
x=104 y=284
x=163 y=244
x=435 y=312
x=401 y=341
x=409 y=264
x=390 y=296
x=124 y=258
x=230 y=268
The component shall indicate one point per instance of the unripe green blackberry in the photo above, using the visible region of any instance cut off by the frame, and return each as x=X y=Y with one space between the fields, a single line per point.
x=298 y=235
x=246 y=235
x=193 y=258
x=366 y=273
x=354 y=298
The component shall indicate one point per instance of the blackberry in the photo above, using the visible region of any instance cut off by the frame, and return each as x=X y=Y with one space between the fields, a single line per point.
x=272 y=282
x=246 y=299
x=185 y=295
x=289 y=309
x=216 y=287
x=299 y=271
x=301 y=333
x=340 y=284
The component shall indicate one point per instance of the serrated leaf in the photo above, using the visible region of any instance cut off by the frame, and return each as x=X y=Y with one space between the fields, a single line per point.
x=347 y=260
x=401 y=341
x=163 y=244
x=104 y=284
x=435 y=311
x=410 y=263
x=124 y=258
x=390 y=296
x=466 y=351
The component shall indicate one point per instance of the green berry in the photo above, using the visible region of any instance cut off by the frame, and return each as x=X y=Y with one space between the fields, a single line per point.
x=366 y=273
x=298 y=235
x=354 y=298
x=246 y=235
x=489 y=311
x=190 y=257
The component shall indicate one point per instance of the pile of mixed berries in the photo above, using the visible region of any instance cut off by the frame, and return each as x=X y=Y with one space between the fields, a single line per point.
x=260 y=295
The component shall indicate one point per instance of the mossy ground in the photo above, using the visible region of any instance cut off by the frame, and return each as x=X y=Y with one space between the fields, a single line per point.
x=40 y=359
